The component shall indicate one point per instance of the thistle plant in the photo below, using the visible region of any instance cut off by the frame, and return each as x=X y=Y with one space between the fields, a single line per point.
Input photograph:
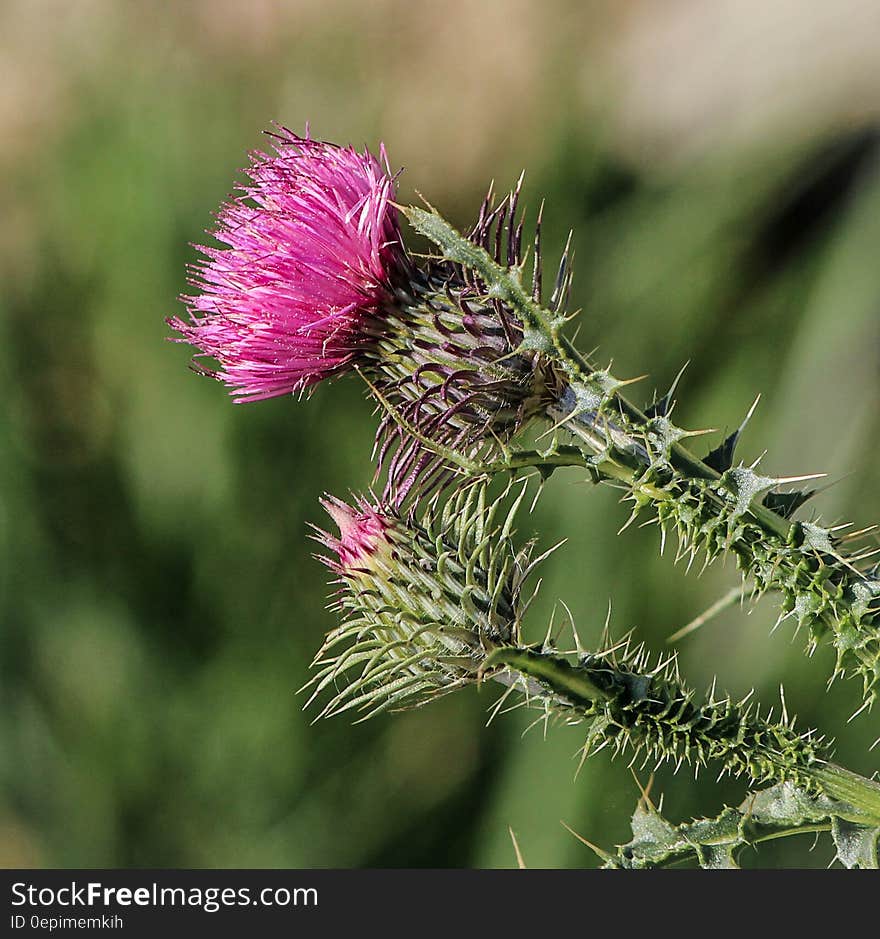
x=714 y=506
x=780 y=811
x=467 y=361
x=434 y=604
x=315 y=281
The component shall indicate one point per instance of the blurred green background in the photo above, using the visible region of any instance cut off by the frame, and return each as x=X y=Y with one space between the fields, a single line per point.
x=159 y=604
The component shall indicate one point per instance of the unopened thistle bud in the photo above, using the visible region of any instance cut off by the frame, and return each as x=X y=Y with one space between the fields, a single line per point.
x=431 y=605
x=314 y=280
x=422 y=603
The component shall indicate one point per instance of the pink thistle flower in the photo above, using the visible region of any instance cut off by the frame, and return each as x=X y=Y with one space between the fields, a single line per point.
x=313 y=246
x=362 y=534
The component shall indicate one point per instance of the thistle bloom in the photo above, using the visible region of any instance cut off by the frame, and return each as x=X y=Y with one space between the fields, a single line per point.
x=313 y=280
x=312 y=247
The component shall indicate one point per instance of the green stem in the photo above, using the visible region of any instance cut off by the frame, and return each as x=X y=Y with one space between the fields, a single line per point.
x=544 y=331
x=717 y=512
x=680 y=458
x=580 y=688
x=861 y=793
x=555 y=673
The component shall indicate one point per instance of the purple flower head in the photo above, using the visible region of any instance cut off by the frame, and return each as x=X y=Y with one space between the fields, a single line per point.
x=362 y=534
x=312 y=247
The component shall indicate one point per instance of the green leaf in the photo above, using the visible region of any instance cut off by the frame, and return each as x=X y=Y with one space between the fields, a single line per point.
x=856 y=844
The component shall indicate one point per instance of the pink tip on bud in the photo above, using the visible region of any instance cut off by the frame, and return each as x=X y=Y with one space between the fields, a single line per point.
x=362 y=533
x=312 y=245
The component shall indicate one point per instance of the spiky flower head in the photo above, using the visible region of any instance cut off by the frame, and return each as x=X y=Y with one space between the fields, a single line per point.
x=457 y=369
x=431 y=605
x=312 y=279
x=422 y=602
x=312 y=247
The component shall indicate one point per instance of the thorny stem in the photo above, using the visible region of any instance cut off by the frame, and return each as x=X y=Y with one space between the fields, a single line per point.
x=587 y=403
x=779 y=811
x=544 y=331
x=730 y=831
x=576 y=688
x=680 y=458
x=861 y=793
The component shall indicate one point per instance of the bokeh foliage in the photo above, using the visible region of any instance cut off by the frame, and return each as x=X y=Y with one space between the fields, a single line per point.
x=158 y=600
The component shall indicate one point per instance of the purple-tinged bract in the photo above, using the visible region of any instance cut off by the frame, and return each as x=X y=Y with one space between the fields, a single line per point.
x=312 y=249
x=362 y=533
x=423 y=598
